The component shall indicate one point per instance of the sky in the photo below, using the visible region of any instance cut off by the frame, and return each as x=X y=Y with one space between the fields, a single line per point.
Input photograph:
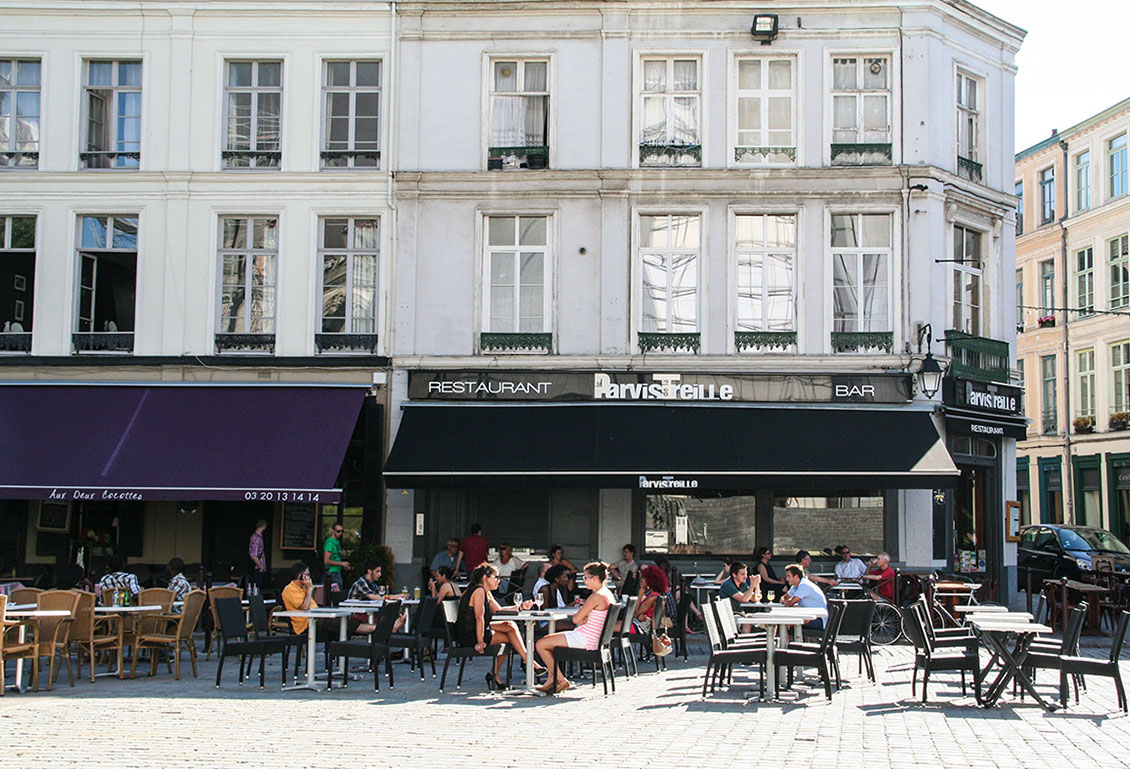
x=1072 y=64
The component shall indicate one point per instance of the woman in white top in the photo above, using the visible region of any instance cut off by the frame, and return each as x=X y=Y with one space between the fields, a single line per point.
x=589 y=622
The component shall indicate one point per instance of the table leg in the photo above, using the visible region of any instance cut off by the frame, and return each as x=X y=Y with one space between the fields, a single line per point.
x=770 y=667
x=311 y=651
x=20 y=662
x=531 y=681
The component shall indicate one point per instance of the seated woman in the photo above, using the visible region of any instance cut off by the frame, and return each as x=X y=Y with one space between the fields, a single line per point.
x=475 y=625
x=765 y=570
x=653 y=588
x=589 y=622
x=557 y=557
x=443 y=586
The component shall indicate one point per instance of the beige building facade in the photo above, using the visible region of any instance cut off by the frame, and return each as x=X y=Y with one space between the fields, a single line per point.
x=1073 y=324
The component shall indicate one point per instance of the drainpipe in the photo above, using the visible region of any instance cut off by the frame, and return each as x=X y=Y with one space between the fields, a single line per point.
x=1068 y=475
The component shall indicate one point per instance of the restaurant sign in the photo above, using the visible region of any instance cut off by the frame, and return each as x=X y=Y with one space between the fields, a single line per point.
x=154 y=493
x=623 y=386
x=988 y=397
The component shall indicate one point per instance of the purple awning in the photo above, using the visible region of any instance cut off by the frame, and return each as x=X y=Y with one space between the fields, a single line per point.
x=175 y=442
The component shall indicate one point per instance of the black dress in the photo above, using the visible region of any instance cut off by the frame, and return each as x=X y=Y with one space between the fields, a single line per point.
x=465 y=633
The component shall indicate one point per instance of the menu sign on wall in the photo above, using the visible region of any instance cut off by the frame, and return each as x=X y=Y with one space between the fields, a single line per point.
x=299 y=526
x=635 y=386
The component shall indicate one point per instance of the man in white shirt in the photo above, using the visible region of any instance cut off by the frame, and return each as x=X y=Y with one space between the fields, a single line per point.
x=804 y=593
x=625 y=566
x=849 y=568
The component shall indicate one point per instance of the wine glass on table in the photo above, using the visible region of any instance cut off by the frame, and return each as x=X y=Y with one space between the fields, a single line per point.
x=539 y=599
x=517 y=600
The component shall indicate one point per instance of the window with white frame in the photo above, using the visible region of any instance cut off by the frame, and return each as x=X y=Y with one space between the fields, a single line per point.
x=670 y=111
x=1048 y=396
x=861 y=108
x=861 y=272
x=968 y=127
x=1120 y=377
x=765 y=247
x=1047 y=195
x=1119 y=271
x=519 y=113
x=17 y=279
x=249 y=249
x=352 y=102
x=1020 y=300
x=1083 y=181
x=349 y=256
x=1085 y=281
x=1085 y=382
x=765 y=130
x=253 y=114
x=966 y=282
x=670 y=246
x=1047 y=289
x=112 y=111
x=518 y=297
x=107 y=256
x=19 y=113
x=1019 y=207
x=1116 y=166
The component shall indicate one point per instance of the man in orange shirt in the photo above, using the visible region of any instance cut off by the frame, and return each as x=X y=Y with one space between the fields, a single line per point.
x=298 y=595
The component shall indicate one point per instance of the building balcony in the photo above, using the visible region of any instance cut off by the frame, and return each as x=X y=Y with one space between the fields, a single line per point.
x=659 y=342
x=368 y=159
x=118 y=160
x=861 y=154
x=516 y=342
x=653 y=155
x=974 y=357
x=10 y=342
x=764 y=340
x=862 y=341
x=112 y=341
x=763 y=155
x=245 y=343
x=346 y=343
x=535 y=157
x=969 y=169
x=26 y=160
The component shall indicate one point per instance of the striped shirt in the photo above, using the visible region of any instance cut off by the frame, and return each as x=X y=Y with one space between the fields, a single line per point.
x=119 y=579
x=594 y=622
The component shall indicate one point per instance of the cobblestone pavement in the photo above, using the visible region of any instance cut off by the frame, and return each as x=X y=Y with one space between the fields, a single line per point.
x=653 y=719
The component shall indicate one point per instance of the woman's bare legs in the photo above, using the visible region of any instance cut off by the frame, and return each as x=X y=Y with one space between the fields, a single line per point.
x=507 y=632
x=545 y=649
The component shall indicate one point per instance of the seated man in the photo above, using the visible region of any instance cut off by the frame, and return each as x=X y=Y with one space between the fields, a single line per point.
x=804 y=561
x=116 y=579
x=803 y=593
x=177 y=583
x=628 y=565
x=298 y=595
x=850 y=569
x=367 y=587
x=882 y=577
x=445 y=557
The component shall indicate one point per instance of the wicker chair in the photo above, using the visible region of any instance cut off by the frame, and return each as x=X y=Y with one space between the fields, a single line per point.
x=55 y=632
x=22 y=595
x=17 y=650
x=226 y=591
x=91 y=634
x=157 y=596
x=176 y=635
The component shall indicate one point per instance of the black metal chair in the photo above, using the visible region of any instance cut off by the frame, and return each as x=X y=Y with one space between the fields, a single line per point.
x=817 y=655
x=720 y=663
x=855 y=635
x=235 y=643
x=621 y=637
x=1088 y=666
x=464 y=653
x=678 y=632
x=420 y=637
x=601 y=655
x=375 y=648
x=931 y=659
x=261 y=624
x=1045 y=654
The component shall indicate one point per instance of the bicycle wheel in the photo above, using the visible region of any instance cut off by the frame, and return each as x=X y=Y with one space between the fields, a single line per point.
x=886 y=624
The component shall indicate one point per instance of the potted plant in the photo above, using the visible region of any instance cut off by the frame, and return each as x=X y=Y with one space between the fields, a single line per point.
x=1046 y=321
x=1084 y=424
x=1119 y=420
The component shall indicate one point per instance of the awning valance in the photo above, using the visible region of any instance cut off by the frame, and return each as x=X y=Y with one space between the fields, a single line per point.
x=980 y=424
x=666 y=447
x=176 y=442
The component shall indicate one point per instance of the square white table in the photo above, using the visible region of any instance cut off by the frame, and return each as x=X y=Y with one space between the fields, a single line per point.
x=778 y=621
x=28 y=611
x=531 y=618
x=997 y=632
x=122 y=611
x=342 y=613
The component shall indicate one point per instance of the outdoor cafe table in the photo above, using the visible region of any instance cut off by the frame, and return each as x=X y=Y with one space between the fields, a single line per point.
x=699 y=585
x=531 y=618
x=342 y=613
x=28 y=611
x=1091 y=593
x=122 y=611
x=774 y=621
x=369 y=608
x=999 y=633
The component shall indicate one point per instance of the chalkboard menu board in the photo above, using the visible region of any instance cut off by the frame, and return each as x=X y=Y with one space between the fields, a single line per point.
x=299 y=526
x=54 y=516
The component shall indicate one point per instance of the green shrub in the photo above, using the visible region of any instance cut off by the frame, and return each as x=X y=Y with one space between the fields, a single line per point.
x=362 y=553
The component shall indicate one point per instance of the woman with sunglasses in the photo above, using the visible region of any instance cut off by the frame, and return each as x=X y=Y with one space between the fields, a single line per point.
x=588 y=622
x=475 y=624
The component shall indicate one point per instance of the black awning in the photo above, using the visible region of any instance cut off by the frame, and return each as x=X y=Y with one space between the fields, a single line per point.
x=186 y=442
x=980 y=424
x=666 y=446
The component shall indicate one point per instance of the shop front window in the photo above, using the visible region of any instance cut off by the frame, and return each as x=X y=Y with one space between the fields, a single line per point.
x=813 y=523
x=675 y=523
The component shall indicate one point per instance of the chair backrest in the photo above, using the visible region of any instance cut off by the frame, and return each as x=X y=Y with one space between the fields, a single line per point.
x=157 y=596
x=190 y=613
x=912 y=626
x=230 y=613
x=727 y=625
x=856 y=621
x=24 y=594
x=609 y=625
x=683 y=609
x=82 y=630
x=259 y=619
x=658 y=613
x=226 y=591
x=451 y=611
x=709 y=619
x=1116 y=640
x=1075 y=619
x=628 y=613
x=832 y=624
x=532 y=569
x=386 y=618
x=55 y=600
x=425 y=615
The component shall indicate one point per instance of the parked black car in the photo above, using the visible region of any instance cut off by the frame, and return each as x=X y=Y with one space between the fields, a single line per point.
x=1052 y=551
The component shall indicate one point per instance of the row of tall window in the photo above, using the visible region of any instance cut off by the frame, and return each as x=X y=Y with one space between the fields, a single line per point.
x=1112 y=181
x=1106 y=287
x=518 y=263
x=1115 y=359
x=671 y=93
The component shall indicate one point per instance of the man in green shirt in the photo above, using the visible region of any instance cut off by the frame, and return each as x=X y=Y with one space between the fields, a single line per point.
x=331 y=557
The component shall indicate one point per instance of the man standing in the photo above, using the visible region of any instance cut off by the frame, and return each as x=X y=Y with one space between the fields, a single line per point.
x=849 y=568
x=472 y=550
x=257 y=553
x=805 y=594
x=445 y=557
x=331 y=557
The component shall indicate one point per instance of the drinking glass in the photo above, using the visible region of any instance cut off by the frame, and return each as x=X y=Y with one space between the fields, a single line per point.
x=539 y=599
x=518 y=601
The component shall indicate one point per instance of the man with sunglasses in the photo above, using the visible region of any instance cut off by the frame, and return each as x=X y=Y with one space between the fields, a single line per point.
x=331 y=557
x=849 y=568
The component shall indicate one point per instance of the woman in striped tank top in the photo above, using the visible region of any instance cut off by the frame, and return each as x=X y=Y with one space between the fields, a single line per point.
x=589 y=622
